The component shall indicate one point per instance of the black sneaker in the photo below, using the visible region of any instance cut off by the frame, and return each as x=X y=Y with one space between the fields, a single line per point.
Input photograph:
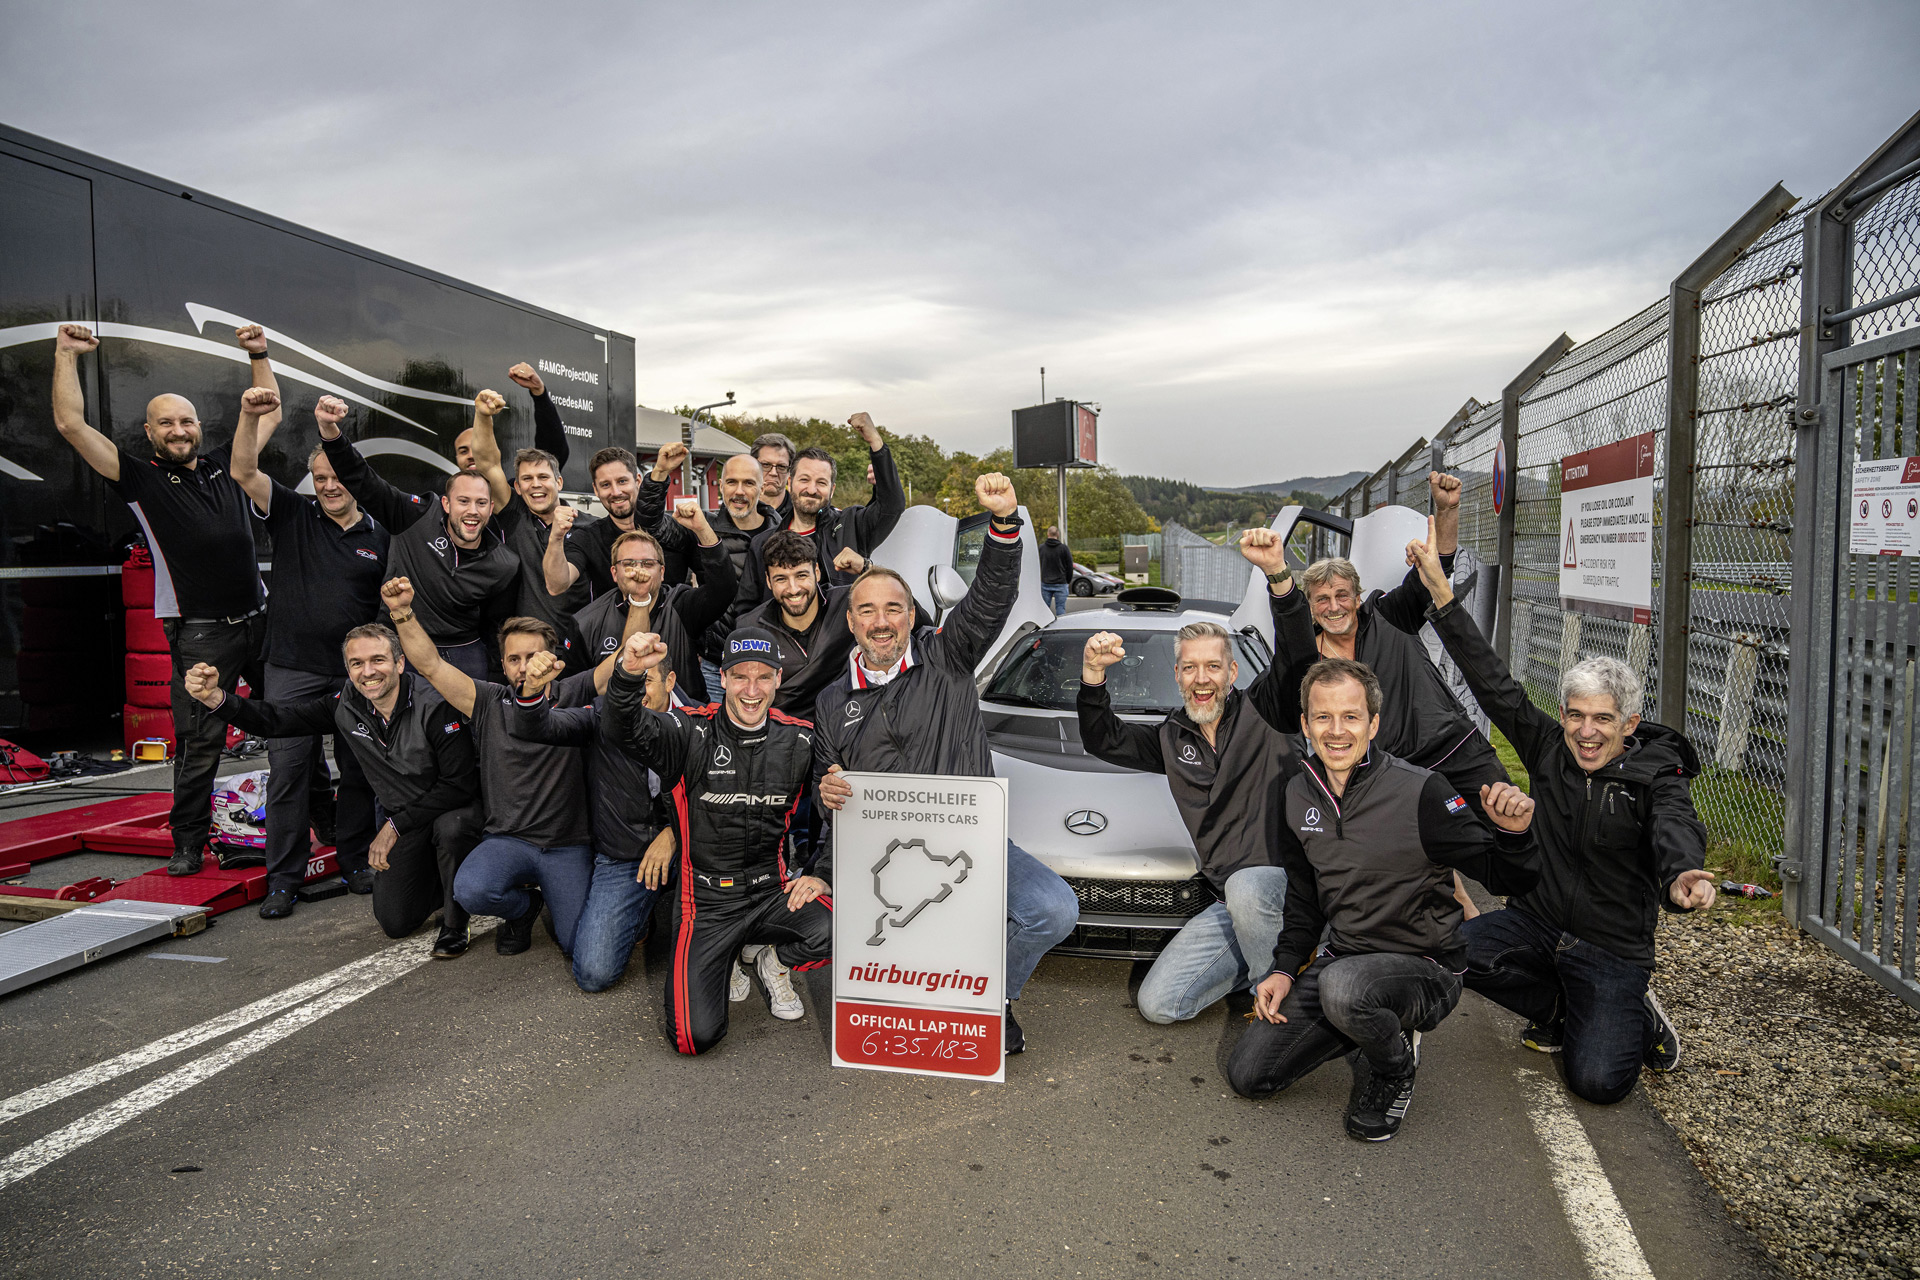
x=1382 y=1107
x=360 y=881
x=277 y=905
x=1379 y=1103
x=451 y=943
x=1545 y=1037
x=515 y=936
x=1362 y=1081
x=1016 y=1038
x=1663 y=1046
x=185 y=861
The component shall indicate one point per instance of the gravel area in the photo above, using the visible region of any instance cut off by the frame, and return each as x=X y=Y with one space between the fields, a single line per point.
x=1798 y=1093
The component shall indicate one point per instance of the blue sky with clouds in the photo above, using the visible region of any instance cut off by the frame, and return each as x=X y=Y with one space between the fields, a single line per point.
x=1271 y=239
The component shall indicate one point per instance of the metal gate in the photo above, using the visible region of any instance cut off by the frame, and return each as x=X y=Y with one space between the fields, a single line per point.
x=1853 y=815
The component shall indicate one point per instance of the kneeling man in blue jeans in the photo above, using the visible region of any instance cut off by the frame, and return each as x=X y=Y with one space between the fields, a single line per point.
x=538 y=846
x=1227 y=768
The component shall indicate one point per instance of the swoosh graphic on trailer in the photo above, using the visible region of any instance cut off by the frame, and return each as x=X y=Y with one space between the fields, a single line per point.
x=202 y=316
x=20 y=335
x=387 y=444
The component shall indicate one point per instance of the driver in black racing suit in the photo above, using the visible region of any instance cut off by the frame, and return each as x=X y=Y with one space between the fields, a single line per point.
x=736 y=771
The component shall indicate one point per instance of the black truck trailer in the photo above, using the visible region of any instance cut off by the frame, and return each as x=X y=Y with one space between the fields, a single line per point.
x=164 y=274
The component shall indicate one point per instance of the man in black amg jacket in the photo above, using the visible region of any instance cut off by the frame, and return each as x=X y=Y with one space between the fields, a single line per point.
x=736 y=771
x=1620 y=841
x=418 y=756
x=1371 y=953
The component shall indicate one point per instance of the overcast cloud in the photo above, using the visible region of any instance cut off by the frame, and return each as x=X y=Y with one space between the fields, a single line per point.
x=1300 y=233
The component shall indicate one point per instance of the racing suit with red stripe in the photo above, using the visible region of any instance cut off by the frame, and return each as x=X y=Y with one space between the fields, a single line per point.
x=734 y=792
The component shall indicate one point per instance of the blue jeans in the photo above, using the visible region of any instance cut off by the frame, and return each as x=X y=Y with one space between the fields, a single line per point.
x=1544 y=974
x=470 y=657
x=710 y=672
x=1041 y=912
x=611 y=924
x=493 y=879
x=1227 y=947
x=1055 y=594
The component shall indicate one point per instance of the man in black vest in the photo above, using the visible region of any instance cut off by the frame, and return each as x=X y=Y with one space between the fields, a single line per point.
x=1056 y=571
x=329 y=558
x=1618 y=834
x=1227 y=769
x=207 y=591
x=529 y=516
x=417 y=754
x=1372 y=953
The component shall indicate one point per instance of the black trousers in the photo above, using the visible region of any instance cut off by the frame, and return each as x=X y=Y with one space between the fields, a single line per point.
x=295 y=785
x=418 y=880
x=1340 y=1004
x=199 y=736
x=710 y=927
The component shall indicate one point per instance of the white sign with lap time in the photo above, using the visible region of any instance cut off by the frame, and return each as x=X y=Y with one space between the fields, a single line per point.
x=1886 y=508
x=1606 y=530
x=920 y=925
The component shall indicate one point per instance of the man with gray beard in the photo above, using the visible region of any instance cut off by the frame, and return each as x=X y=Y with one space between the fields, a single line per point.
x=1227 y=768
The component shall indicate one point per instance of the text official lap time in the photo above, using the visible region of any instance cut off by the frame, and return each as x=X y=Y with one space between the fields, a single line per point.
x=920 y=925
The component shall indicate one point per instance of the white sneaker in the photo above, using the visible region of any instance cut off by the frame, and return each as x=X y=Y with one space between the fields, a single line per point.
x=739 y=986
x=777 y=979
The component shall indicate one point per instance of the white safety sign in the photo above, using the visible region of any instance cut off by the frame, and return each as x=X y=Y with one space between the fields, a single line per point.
x=920 y=925
x=1606 y=530
x=1886 y=508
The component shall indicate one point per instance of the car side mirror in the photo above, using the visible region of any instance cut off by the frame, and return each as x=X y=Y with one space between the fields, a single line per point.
x=946 y=585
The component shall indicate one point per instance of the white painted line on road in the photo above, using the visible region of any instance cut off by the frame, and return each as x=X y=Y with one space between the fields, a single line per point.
x=175 y=955
x=371 y=974
x=1599 y=1223
x=66 y=1086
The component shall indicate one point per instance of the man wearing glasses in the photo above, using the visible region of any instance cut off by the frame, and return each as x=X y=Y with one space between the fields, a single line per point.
x=775 y=454
x=207 y=591
x=642 y=602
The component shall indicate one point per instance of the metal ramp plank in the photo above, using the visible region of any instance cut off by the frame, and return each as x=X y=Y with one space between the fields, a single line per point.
x=46 y=948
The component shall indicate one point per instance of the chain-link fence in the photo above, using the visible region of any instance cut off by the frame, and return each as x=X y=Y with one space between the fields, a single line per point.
x=1199 y=569
x=1613 y=387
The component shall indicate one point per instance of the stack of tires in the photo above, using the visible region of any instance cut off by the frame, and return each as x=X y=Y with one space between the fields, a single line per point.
x=148 y=712
x=69 y=637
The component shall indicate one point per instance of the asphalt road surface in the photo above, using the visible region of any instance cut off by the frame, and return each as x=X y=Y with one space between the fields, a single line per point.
x=483 y=1117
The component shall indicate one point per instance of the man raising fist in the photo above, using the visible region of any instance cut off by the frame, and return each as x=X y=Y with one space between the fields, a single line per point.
x=1619 y=840
x=208 y=594
x=1226 y=767
x=923 y=677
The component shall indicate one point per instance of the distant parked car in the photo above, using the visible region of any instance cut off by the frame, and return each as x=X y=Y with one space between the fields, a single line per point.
x=1089 y=582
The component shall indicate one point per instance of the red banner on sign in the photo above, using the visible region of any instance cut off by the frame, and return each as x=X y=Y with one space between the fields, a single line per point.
x=891 y=1035
x=1629 y=459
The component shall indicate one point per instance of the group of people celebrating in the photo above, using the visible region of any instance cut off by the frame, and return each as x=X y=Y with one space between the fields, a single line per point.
x=537 y=715
x=1335 y=800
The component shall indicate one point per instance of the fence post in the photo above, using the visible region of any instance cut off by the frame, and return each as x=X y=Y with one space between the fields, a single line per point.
x=1510 y=439
x=1683 y=399
x=1821 y=447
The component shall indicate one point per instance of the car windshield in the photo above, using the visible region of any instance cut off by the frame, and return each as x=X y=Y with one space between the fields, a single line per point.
x=1044 y=671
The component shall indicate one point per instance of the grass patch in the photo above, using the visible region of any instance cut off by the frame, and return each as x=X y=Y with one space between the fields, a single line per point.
x=1905 y=1108
x=1893 y=1153
x=1511 y=759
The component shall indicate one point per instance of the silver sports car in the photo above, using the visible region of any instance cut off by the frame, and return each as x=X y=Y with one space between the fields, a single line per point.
x=1112 y=833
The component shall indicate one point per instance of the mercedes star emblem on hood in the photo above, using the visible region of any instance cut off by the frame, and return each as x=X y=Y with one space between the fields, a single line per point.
x=1086 y=822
